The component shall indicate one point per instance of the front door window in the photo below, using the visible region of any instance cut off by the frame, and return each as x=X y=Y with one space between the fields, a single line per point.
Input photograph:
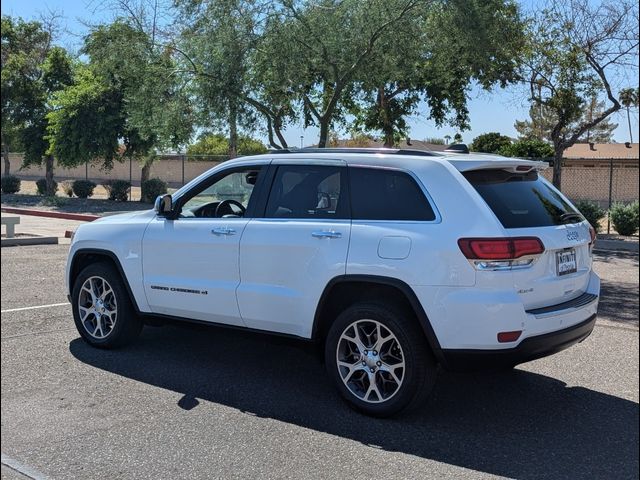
x=227 y=197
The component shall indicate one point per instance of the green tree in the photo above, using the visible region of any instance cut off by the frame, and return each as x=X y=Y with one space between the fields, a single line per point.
x=218 y=144
x=326 y=44
x=492 y=142
x=629 y=97
x=32 y=72
x=575 y=47
x=440 y=50
x=238 y=73
x=126 y=94
x=539 y=125
x=24 y=48
x=602 y=132
x=542 y=120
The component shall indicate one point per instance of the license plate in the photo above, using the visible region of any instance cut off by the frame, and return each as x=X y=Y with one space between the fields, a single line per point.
x=566 y=262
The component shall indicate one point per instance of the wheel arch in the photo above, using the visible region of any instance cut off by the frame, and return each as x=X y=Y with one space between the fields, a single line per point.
x=346 y=289
x=86 y=256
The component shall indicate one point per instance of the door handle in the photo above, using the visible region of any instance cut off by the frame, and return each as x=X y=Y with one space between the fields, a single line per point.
x=326 y=234
x=223 y=231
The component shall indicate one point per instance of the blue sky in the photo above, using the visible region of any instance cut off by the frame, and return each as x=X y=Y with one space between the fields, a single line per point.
x=490 y=112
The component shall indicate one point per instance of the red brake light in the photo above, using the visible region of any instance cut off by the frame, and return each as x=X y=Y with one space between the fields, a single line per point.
x=500 y=248
x=505 y=337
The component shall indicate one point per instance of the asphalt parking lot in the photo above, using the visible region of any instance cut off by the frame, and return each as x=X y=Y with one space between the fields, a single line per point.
x=193 y=402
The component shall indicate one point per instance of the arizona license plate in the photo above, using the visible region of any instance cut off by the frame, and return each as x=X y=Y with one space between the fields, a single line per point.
x=566 y=262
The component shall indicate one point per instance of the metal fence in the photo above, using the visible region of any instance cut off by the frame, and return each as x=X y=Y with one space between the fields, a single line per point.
x=603 y=181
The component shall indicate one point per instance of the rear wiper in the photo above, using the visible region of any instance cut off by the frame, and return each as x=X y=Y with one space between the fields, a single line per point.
x=571 y=216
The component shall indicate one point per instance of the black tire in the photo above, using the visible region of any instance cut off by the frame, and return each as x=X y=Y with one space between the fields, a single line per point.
x=420 y=369
x=127 y=325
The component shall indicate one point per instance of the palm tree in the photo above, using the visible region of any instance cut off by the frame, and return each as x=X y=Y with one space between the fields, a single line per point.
x=629 y=98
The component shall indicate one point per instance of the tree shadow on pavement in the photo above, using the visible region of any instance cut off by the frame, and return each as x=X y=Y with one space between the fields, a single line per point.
x=619 y=302
x=517 y=424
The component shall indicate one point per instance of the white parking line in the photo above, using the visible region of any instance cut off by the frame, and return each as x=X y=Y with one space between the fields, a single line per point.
x=33 y=308
x=21 y=468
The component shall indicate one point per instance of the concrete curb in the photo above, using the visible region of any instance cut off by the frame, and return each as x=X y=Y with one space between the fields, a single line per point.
x=21 y=241
x=82 y=217
x=616 y=245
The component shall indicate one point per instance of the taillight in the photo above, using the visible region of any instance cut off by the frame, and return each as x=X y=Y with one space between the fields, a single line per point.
x=507 y=337
x=501 y=253
x=592 y=232
x=500 y=248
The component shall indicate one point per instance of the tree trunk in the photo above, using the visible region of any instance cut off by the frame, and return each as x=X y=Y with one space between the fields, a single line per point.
x=51 y=191
x=628 y=120
x=324 y=133
x=233 y=129
x=385 y=117
x=557 y=167
x=5 y=156
x=146 y=170
x=277 y=127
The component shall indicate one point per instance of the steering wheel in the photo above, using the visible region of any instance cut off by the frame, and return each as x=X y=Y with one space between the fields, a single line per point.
x=227 y=204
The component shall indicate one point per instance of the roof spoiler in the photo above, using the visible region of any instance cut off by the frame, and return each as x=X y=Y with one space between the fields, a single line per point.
x=457 y=148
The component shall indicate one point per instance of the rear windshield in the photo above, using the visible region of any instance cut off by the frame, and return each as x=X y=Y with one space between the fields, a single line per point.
x=522 y=200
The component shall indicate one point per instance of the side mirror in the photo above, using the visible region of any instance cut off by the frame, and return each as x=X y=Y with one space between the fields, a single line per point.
x=163 y=205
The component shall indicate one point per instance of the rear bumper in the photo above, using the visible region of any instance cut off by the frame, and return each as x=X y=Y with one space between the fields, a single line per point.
x=529 y=349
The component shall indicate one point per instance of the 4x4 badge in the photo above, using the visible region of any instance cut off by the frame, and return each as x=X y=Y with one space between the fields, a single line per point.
x=573 y=236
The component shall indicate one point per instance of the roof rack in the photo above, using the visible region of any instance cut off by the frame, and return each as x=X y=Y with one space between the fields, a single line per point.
x=387 y=151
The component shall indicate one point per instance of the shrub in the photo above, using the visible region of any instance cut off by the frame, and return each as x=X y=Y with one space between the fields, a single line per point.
x=151 y=189
x=118 y=190
x=54 y=201
x=41 y=186
x=67 y=188
x=592 y=212
x=10 y=184
x=83 y=188
x=489 y=142
x=527 y=149
x=625 y=218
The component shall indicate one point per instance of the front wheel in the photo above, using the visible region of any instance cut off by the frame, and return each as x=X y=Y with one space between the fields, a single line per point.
x=102 y=309
x=379 y=359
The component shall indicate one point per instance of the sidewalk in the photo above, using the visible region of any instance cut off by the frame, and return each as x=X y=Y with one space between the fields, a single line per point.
x=46 y=227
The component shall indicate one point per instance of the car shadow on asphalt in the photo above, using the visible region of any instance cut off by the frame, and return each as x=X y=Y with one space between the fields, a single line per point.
x=518 y=424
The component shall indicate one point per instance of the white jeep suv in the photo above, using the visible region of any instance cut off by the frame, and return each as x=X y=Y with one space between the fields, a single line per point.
x=396 y=260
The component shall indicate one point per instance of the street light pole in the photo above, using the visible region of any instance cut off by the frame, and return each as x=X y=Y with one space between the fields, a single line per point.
x=301 y=141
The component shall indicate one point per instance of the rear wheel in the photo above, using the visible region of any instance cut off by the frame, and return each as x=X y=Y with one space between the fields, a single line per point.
x=102 y=309
x=379 y=359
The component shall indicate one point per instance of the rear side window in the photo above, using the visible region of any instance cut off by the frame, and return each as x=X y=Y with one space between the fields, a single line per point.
x=522 y=200
x=380 y=194
x=308 y=192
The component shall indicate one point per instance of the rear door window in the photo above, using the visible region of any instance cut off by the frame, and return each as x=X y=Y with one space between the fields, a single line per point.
x=382 y=194
x=308 y=191
x=522 y=200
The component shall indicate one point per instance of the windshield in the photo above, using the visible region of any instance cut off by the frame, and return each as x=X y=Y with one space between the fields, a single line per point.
x=522 y=200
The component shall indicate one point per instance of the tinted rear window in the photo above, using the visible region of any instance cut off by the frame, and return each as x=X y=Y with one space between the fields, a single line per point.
x=379 y=194
x=522 y=200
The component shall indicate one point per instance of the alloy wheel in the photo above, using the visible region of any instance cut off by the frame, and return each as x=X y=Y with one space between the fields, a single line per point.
x=370 y=361
x=97 y=307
